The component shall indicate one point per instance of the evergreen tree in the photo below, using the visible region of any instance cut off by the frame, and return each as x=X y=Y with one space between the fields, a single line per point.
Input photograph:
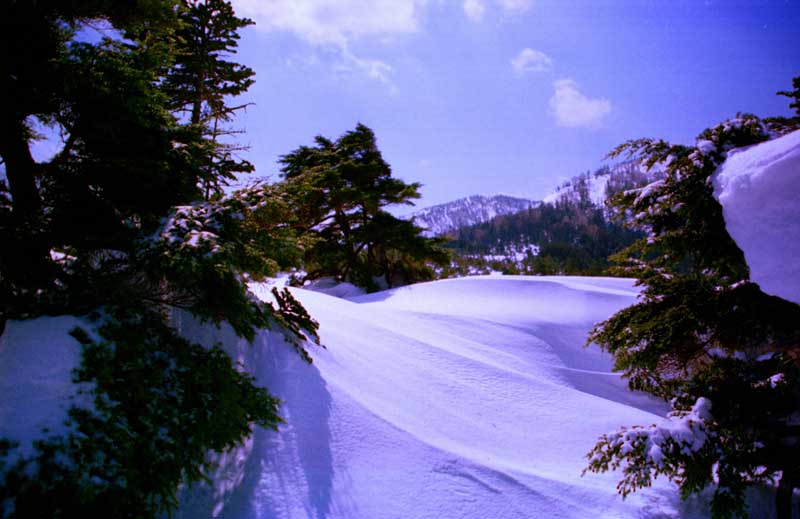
x=202 y=80
x=794 y=95
x=340 y=190
x=112 y=228
x=703 y=337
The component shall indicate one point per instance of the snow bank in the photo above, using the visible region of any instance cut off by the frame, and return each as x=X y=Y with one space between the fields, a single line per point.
x=759 y=189
x=460 y=398
x=334 y=288
x=36 y=362
x=453 y=399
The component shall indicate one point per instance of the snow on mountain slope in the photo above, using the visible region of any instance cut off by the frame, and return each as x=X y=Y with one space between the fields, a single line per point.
x=472 y=210
x=759 y=189
x=453 y=399
x=597 y=187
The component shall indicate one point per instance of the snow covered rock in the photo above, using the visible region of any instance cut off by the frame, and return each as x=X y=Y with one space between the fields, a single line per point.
x=759 y=189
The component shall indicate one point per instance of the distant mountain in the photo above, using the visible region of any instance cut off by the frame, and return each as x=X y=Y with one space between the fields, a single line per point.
x=571 y=232
x=443 y=218
x=602 y=184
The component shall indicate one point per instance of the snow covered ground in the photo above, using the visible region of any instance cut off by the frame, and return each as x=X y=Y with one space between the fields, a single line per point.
x=37 y=357
x=462 y=398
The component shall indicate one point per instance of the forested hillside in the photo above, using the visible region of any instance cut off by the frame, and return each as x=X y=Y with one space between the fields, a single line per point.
x=574 y=231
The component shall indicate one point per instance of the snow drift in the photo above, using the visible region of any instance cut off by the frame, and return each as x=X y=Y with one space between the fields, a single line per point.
x=460 y=398
x=759 y=189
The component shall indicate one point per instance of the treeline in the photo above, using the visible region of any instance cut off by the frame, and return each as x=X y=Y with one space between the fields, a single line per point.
x=572 y=235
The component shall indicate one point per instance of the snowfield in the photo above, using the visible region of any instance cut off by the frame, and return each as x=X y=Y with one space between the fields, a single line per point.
x=464 y=398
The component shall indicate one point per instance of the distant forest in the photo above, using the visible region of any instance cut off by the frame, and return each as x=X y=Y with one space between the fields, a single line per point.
x=572 y=235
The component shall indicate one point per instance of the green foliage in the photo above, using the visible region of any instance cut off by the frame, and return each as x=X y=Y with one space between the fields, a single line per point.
x=200 y=83
x=701 y=332
x=573 y=235
x=113 y=226
x=794 y=95
x=161 y=404
x=338 y=191
x=202 y=252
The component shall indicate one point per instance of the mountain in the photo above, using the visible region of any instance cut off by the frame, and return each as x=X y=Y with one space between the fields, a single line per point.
x=443 y=218
x=571 y=232
x=602 y=184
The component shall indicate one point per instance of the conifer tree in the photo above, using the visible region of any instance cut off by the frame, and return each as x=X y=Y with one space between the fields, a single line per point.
x=340 y=189
x=113 y=229
x=704 y=337
x=794 y=95
x=202 y=80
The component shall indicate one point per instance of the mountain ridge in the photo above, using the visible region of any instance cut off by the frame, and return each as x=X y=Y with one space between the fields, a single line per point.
x=474 y=209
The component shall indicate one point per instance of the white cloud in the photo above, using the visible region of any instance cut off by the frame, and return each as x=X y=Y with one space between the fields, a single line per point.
x=571 y=108
x=334 y=21
x=373 y=68
x=334 y=24
x=515 y=6
x=474 y=9
x=530 y=60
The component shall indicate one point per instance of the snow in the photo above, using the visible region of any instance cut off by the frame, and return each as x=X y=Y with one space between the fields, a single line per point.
x=471 y=397
x=759 y=190
x=685 y=431
x=461 y=398
x=334 y=288
x=475 y=209
x=596 y=186
x=37 y=357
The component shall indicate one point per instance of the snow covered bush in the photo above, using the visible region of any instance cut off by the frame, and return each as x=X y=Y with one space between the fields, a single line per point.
x=703 y=336
x=205 y=254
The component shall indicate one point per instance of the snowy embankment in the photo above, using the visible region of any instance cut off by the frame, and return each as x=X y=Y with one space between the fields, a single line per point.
x=759 y=189
x=459 y=398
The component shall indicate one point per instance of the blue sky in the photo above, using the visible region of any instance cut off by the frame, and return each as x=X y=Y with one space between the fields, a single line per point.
x=459 y=104
x=504 y=96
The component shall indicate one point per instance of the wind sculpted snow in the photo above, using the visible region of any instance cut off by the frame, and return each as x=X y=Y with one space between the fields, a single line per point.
x=758 y=188
x=461 y=398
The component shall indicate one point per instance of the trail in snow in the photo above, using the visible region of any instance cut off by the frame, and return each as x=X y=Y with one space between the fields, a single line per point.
x=460 y=398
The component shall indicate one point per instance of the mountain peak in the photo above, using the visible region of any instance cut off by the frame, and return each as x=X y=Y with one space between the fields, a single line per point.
x=470 y=210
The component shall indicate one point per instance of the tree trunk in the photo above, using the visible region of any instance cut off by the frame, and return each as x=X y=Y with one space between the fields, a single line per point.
x=20 y=171
x=25 y=256
x=783 y=497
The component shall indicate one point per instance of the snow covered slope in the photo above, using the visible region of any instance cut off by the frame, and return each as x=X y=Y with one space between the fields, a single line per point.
x=759 y=189
x=460 y=398
x=442 y=218
x=597 y=187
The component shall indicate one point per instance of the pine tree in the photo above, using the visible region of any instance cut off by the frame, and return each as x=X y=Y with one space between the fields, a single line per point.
x=794 y=95
x=703 y=337
x=202 y=80
x=340 y=189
